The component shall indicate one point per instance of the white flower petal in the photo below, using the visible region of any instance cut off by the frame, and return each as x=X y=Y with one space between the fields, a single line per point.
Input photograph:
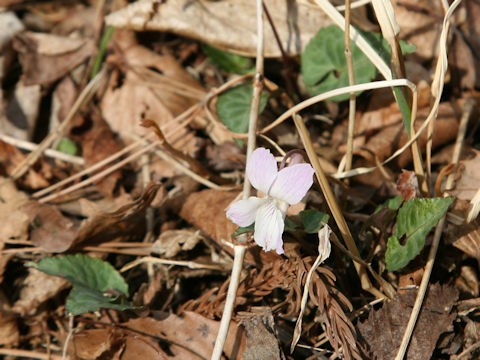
x=292 y=183
x=269 y=227
x=243 y=212
x=262 y=169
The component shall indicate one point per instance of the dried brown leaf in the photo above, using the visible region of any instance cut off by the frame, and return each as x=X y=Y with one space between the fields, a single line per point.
x=469 y=243
x=392 y=137
x=97 y=144
x=467 y=186
x=420 y=24
x=21 y=112
x=468 y=281
x=228 y=25
x=261 y=342
x=46 y=57
x=37 y=288
x=407 y=185
x=14 y=221
x=384 y=328
x=9 y=332
x=127 y=220
x=206 y=210
x=192 y=334
x=52 y=231
x=94 y=343
x=171 y=242
x=142 y=347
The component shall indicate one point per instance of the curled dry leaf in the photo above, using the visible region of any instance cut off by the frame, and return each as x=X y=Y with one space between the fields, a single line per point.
x=46 y=57
x=228 y=25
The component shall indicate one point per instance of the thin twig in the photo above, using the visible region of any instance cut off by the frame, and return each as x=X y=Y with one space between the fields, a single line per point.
x=154 y=260
x=239 y=250
x=139 y=142
x=351 y=81
x=27 y=145
x=29 y=354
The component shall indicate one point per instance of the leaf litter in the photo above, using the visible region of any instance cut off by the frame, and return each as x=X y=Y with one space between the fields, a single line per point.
x=159 y=168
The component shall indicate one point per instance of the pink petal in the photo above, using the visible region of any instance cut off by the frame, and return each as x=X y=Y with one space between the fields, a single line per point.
x=269 y=228
x=262 y=169
x=292 y=183
x=243 y=212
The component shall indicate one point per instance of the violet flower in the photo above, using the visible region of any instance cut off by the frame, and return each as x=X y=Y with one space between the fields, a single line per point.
x=282 y=188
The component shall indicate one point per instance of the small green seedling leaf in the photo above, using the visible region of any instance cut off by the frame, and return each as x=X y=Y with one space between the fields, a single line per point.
x=231 y=63
x=243 y=230
x=95 y=282
x=67 y=146
x=233 y=107
x=324 y=66
x=415 y=219
x=313 y=220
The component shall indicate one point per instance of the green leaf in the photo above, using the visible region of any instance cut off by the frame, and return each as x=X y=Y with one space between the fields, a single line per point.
x=313 y=220
x=95 y=282
x=84 y=271
x=231 y=63
x=102 y=48
x=67 y=146
x=84 y=300
x=243 y=230
x=233 y=107
x=392 y=204
x=415 y=219
x=324 y=66
x=290 y=224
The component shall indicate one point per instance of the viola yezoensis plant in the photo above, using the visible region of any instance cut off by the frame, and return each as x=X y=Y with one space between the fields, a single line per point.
x=282 y=188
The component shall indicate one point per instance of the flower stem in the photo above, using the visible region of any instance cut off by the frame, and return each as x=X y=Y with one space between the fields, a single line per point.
x=239 y=250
